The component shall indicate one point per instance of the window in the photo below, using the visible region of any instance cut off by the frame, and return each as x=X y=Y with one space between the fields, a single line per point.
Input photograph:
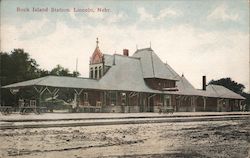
x=100 y=71
x=123 y=98
x=113 y=98
x=85 y=96
x=167 y=100
x=33 y=103
x=167 y=84
x=159 y=84
x=95 y=72
x=91 y=73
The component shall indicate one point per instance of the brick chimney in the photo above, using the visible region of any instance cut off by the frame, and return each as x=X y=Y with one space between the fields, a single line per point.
x=125 y=52
x=204 y=84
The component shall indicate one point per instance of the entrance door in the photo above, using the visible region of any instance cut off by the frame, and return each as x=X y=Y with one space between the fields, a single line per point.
x=123 y=101
x=151 y=104
x=166 y=101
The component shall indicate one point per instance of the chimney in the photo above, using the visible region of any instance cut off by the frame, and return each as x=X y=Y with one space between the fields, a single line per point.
x=204 y=83
x=125 y=52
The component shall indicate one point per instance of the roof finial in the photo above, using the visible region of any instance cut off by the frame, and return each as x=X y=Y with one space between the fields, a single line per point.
x=136 y=47
x=97 y=42
x=182 y=75
x=150 y=44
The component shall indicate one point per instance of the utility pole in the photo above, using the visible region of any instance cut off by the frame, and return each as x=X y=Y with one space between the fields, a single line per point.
x=76 y=64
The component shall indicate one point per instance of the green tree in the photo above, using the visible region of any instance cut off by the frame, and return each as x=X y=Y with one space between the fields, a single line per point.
x=15 y=67
x=61 y=71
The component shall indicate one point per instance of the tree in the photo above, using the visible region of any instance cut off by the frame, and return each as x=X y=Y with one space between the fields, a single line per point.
x=230 y=84
x=15 y=67
x=43 y=73
x=76 y=74
x=61 y=71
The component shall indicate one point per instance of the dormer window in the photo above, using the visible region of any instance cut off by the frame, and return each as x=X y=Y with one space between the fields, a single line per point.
x=159 y=84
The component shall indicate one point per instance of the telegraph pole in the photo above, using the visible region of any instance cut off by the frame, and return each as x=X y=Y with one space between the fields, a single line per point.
x=76 y=66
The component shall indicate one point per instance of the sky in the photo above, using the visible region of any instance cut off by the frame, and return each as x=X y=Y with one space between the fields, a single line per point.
x=195 y=37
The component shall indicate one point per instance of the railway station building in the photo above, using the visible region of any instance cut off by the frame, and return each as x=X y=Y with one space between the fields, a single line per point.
x=140 y=82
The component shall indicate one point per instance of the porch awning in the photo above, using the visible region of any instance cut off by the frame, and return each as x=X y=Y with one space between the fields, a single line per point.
x=57 y=81
x=79 y=83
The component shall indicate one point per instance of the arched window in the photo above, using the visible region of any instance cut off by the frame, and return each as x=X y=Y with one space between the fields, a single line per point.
x=95 y=72
x=91 y=73
x=100 y=71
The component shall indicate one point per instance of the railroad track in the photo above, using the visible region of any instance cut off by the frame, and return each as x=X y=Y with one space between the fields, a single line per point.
x=18 y=124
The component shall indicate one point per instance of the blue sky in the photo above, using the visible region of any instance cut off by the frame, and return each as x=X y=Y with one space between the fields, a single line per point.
x=208 y=37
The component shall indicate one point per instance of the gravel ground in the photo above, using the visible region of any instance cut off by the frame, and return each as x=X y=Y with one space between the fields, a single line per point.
x=183 y=139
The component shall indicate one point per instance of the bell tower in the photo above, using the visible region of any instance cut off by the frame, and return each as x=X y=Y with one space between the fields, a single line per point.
x=96 y=63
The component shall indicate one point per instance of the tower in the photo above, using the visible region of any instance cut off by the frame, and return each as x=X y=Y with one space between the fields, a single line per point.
x=96 y=63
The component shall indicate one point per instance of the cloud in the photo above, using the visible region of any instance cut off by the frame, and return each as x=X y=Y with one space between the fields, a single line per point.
x=108 y=17
x=95 y=15
x=34 y=26
x=223 y=13
x=164 y=13
x=116 y=17
x=144 y=15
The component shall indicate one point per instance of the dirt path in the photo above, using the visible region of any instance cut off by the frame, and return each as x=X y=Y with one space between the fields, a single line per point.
x=183 y=139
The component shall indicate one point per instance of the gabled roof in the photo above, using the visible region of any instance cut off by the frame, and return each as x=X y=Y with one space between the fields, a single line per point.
x=174 y=74
x=185 y=87
x=152 y=66
x=125 y=74
x=220 y=92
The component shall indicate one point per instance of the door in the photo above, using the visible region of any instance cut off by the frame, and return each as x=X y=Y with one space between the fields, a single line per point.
x=151 y=104
x=166 y=101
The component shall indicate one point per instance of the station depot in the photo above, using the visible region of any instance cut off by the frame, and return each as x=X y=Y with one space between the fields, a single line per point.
x=124 y=83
